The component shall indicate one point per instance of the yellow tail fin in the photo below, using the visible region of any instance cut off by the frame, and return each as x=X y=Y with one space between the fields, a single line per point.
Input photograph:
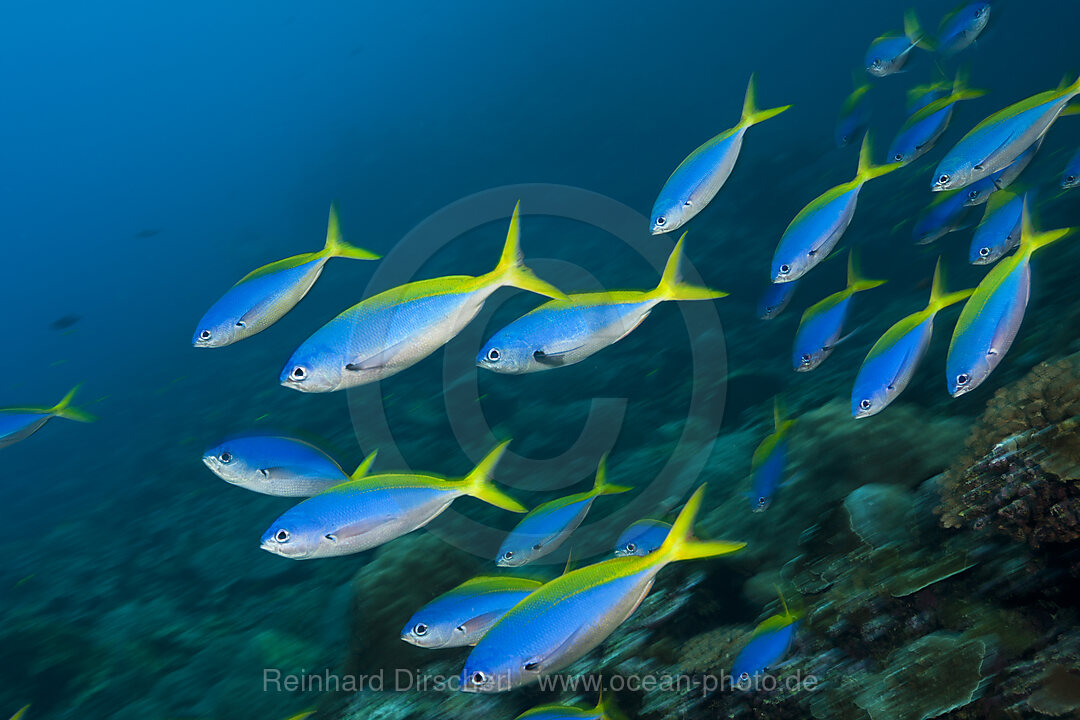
x=938 y=297
x=1031 y=240
x=602 y=486
x=511 y=269
x=672 y=287
x=680 y=543
x=867 y=169
x=855 y=281
x=65 y=409
x=914 y=32
x=337 y=247
x=365 y=467
x=478 y=482
x=751 y=115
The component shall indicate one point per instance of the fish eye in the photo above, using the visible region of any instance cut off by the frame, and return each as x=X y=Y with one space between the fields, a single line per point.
x=762 y=502
x=898 y=157
x=420 y=630
x=538 y=546
x=479 y=678
x=205 y=335
x=805 y=358
x=943 y=180
x=298 y=373
x=493 y=355
x=979 y=12
x=508 y=555
x=661 y=221
x=282 y=535
x=876 y=63
x=865 y=404
x=973 y=194
x=984 y=252
x=630 y=547
x=785 y=269
x=688 y=203
x=962 y=379
x=225 y=457
x=1071 y=179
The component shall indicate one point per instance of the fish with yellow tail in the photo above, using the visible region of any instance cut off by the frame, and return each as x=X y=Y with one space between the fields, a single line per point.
x=375 y=509
x=569 y=616
x=700 y=176
x=19 y=423
x=265 y=295
x=991 y=317
x=564 y=332
x=892 y=361
x=818 y=227
x=389 y=332
x=822 y=325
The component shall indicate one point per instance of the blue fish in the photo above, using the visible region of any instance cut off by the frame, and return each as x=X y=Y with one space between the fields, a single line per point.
x=1000 y=139
x=775 y=298
x=892 y=361
x=817 y=228
x=566 y=331
x=889 y=53
x=641 y=538
x=769 y=643
x=947 y=213
x=566 y=618
x=979 y=192
x=547 y=526
x=854 y=115
x=361 y=514
x=700 y=176
x=264 y=296
x=17 y=424
x=923 y=127
x=822 y=324
x=960 y=28
x=991 y=317
x=769 y=462
x=461 y=616
x=389 y=332
x=999 y=230
x=281 y=466
x=569 y=712
x=1071 y=177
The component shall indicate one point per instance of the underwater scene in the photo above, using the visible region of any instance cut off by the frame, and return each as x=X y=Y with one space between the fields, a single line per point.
x=698 y=359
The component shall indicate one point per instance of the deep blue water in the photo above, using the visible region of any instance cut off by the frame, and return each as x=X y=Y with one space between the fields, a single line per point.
x=155 y=154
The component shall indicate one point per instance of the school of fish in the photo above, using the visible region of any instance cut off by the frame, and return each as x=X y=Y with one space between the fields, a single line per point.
x=519 y=628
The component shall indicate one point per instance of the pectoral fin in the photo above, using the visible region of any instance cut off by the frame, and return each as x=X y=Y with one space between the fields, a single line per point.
x=539 y=663
x=379 y=359
x=360 y=527
x=553 y=359
x=478 y=623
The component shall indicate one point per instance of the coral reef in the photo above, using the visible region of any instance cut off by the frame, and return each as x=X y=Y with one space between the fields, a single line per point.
x=1020 y=473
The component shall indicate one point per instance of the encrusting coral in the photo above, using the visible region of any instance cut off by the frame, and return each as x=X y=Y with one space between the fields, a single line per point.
x=1020 y=472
